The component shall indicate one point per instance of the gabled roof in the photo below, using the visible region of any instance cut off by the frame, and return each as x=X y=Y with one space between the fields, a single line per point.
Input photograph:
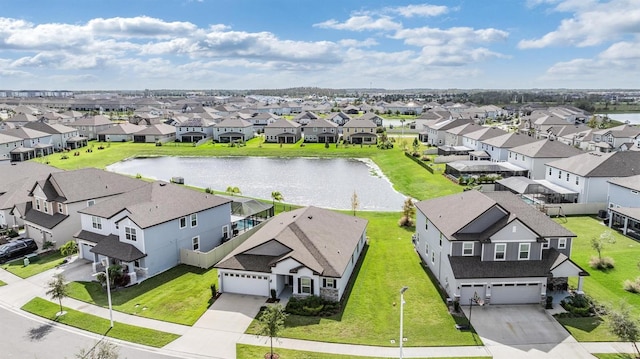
x=485 y=133
x=508 y=140
x=26 y=133
x=122 y=129
x=358 y=123
x=321 y=123
x=156 y=203
x=282 y=123
x=319 y=239
x=5 y=138
x=598 y=164
x=41 y=219
x=234 y=123
x=111 y=247
x=48 y=128
x=97 y=120
x=157 y=129
x=546 y=149
x=17 y=179
x=631 y=182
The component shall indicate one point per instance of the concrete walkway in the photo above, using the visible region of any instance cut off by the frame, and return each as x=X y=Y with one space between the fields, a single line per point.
x=216 y=333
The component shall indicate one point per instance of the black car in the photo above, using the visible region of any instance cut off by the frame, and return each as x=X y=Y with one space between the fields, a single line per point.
x=17 y=248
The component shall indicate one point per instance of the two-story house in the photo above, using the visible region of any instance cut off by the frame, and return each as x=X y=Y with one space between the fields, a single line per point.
x=612 y=139
x=155 y=133
x=535 y=155
x=34 y=143
x=61 y=136
x=308 y=251
x=339 y=118
x=624 y=205
x=194 y=129
x=90 y=126
x=498 y=147
x=283 y=131
x=494 y=247
x=51 y=215
x=360 y=132
x=233 y=130
x=9 y=143
x=144 y=229
x=321 y=131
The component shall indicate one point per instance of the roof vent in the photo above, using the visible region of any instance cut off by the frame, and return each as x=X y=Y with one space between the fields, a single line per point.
x=310 y=217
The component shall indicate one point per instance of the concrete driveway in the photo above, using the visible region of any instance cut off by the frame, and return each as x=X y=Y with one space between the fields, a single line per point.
x=527 y=331
x=218 y=330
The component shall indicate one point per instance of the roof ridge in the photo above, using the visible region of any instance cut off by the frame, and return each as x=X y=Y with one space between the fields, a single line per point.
x=308 y=244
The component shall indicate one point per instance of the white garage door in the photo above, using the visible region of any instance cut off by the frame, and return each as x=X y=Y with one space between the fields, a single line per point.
x=253 y=284
x=468 y=291
x=85 y=251
x=515 y=293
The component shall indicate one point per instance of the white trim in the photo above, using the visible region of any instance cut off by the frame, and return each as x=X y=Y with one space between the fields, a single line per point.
x=520 y=250
x=562 y=243
x=464 y=245
x=504 y=252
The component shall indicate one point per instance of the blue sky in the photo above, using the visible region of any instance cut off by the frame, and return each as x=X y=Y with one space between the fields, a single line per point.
x=252 y=44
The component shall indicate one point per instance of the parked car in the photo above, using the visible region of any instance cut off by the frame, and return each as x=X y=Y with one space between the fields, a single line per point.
x=17 y=248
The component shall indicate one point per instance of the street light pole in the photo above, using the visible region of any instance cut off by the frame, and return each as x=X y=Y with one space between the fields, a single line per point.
x=105 y=263
x=404 y=289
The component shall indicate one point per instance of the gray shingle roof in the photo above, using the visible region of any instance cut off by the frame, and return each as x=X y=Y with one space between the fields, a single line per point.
x=111 y=247
x=546 y=149
x=42 y=219
x=282 y=123
x=508 y=140
x=597 y=164
x=17 y=179
x=631 y=182
x=320 y=239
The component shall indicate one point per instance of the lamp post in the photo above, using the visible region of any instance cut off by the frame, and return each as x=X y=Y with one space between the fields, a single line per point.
x=105 y=263
x=404 y=289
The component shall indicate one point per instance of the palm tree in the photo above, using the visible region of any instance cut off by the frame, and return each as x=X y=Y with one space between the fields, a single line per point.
x=276 y=196
x=233 y=190
x=58 y=290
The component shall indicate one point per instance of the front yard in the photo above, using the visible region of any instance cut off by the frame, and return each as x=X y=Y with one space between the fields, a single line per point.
x=606 y=287
x=371 y=314
x=37 y=265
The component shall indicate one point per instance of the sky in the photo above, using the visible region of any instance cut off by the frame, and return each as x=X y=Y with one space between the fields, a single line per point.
x=269 y=44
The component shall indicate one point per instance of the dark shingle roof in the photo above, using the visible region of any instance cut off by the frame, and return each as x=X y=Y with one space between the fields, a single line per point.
x=597 y=164
x=546 y=149
x=42 y=219
x=111 y=247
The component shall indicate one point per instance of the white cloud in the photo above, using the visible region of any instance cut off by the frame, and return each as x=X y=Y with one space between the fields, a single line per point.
x=420 y=10
x=139 y=27
x=592 y=23
x=362 y=23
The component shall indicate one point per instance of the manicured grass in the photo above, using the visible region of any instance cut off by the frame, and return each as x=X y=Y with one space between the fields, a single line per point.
x=614 y=356
x=408 y=177
x=604 y=286
x=180 y=295
x=91 y=323
x=251 y=352
x=588 y=329
x=2 y=283
x=37 y=264
x=371 y=314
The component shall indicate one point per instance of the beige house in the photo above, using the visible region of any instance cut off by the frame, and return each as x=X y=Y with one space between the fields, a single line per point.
x=360 y=132
x=283 y=131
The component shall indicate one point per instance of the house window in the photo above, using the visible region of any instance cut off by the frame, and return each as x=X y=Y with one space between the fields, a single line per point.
x=96 y=222
x=567 y=177
x=426 y=225
x=577 y=180
x=501 y=250
x=225 y=232
x=194 y=220
x=46 y=207
x=130 y=233
x=305 y=285
x=426 y=251
x=37 y=204
x=60 y=208
x=433 y=257
x=545 y=245
x=195 y=242
x=467 y=248
x=562 y=243
x=523 y=250
x=91 y=202
x=559 y=174
x=440 y=239
x=329 y=282
x=183 y=222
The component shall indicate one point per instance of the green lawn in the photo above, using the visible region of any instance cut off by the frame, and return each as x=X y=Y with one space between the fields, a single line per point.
x=91 y=323
x=614 y=356
x=372 y=313
x=408 y=177
x=588 y=329
x=604 y=286
x=180 y=295
x=252 y=352
x=37 y=265
x=2 y=283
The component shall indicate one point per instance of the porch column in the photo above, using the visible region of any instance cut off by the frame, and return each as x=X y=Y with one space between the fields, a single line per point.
x=610 y=218
x=626 y=223
x=580 y=282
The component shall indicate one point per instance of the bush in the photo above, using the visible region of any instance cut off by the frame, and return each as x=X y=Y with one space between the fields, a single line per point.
x=312 y=306
x=208 y=190
x=579 y=306
x=603 y=263
x=405 y=222
x=632 y=286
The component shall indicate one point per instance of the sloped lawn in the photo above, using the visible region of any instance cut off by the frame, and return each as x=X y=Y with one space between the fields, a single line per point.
x=604 y=286
x=180 y=295
x=371 y=314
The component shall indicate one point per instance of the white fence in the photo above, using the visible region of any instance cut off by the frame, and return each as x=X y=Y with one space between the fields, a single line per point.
x=568 y=209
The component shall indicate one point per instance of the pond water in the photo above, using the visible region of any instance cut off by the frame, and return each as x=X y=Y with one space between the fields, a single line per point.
x=320 y=182
x=633 y=118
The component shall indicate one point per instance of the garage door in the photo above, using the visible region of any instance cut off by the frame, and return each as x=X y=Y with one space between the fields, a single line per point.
x=253 y=284
x=515 y=293
x=85 y=251
x=468 y=291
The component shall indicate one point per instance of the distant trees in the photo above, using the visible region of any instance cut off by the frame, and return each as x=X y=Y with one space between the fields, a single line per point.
x=233 y=190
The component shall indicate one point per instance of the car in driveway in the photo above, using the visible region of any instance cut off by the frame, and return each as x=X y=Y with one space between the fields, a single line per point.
x=17 y=248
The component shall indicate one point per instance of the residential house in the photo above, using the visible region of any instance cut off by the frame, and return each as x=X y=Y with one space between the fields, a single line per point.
x=624 y=205
x=534 y=156
x=194 y=130
x=453 y=136
x=122 y=132
x=283 y=131
x=233 y=130
x=159 y=133
x=371 y=116
x=587 y=175
x=340 y=118
x=309 y=251
x=61 y=136
x=19 y=120
x=16 y=180
x=493 y=248
x=144 y=229
x=498 y=147
x=612 y=139
x=34 y=143
x=90 y=126
x=360 y=132
x=51 y=215
x=435 y=131
x=9 y=143
x=305 y=117
x=321 y=131
x=474 y=140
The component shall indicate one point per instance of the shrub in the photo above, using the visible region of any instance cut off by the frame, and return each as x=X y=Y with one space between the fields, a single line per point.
x=312 y=306
x=549 y=304
x=579 y=305
x=632 y=286
x=603 y=263
x=214 y=291
x=208 y=190
x=405 y=221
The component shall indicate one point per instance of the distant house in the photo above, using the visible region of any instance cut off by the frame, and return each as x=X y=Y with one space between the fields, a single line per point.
x=34 y=144
x=360 y=132
x=305 y=117
x=340 y=118
x=233 y=130
x=612 y=139
x=194 y=130
x=155 y=133
x=90 y=126
x=535 y=155
x=9 y=143
x=321 y=131
x=283 y=131
x=493 y=248
x=122 y=132
x=61 y=136
x=144 y=229
x=498 y=147
x=309 y=251
x=371 y=116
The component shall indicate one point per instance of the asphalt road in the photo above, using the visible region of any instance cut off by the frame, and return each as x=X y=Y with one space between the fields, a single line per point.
x=23 y=337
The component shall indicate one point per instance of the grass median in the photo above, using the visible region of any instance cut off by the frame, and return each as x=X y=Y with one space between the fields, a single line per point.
x=94 y=324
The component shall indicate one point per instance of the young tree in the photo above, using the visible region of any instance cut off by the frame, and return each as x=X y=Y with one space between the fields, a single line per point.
x=58 y=290
x=622 y=325
x=408 y=212
x=272 y=322
x=354 y=202
x=598 y=244
x=276 y=196
x=102 y=350
x=415 y=144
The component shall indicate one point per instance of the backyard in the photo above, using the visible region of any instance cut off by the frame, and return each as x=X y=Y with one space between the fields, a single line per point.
x=605 y=286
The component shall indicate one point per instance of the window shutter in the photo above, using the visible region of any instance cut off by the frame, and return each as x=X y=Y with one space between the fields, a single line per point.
x=324 y=282
x=312 y=287
x=299 y=286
